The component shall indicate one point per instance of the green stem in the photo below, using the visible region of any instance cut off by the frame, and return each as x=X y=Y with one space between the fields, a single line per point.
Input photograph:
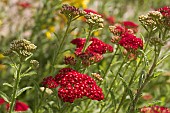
x=109 y=66
x=87 y=38
x=15 y=89
x=41 y=100
x=87 y=106
x=56 y=53
x=148 y=76
x=114 y=79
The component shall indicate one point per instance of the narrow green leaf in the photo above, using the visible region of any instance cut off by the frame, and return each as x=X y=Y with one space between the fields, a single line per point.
x=127 y=88
x=72 y=29
x=36 y=85
x=29 y=74
x=22 y=90
x=141 y=78
x=88 y=44
x=4 y=96
x=7 y=84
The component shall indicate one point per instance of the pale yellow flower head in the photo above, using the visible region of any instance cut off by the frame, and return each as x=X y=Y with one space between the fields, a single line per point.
x=77 y=3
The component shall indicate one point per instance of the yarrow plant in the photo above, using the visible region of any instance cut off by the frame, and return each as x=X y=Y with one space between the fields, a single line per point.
x=84 y=70
x=23 y=49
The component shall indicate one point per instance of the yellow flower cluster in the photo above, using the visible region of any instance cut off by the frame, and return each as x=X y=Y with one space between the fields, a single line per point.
x=77 y=3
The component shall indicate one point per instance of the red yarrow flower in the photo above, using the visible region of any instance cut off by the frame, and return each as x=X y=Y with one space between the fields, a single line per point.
x=90 y=11
x=49 y=82
x=73 y=85
x=76 y=85
x=19 y=106
x=110 y=20
x=155 y=109
x=165 y=11
x=2 y=101
x=130 y=42
x=94 y=51
x=24 y=4
x=96 y=47
x=130 y=25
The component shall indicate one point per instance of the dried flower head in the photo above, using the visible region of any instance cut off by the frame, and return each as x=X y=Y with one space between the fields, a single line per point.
x=71 y=12
x=69 y=60
x=94 y=20
x=23 y=47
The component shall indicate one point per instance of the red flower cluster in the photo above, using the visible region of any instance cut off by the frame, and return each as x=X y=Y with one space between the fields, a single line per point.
x=110 y=19
x=49 y=82
x=131 y=42
x=75 y=85
x=155 y=109
x=96 y=47
x=165 y=11
x=94 y=51
x=130 y=25
x=126 y=38
x=90 y=11
x=19 y=106
x=24 y=4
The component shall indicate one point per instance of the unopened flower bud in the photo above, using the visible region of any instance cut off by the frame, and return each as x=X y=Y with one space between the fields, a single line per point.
x=35 y=64
x=97 y=76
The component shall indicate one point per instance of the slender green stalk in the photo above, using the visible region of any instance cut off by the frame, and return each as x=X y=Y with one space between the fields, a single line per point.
x=15 y=89
x=148 y=76
x=114 y=79
x=56 y=53
x=41 y=100
x=87 y=38
x=109 y=66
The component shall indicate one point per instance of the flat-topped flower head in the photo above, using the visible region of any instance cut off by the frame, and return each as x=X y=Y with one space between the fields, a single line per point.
x=71 y=12
x=130 y=42
x=73 y=85
x=155 y=109
x=77 y=85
